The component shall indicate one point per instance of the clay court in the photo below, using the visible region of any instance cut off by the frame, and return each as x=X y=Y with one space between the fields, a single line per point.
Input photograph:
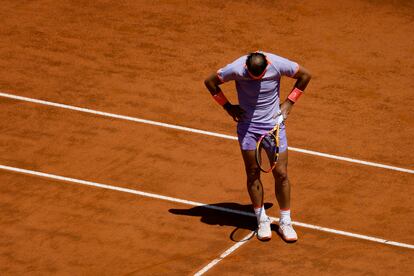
x=98 y=177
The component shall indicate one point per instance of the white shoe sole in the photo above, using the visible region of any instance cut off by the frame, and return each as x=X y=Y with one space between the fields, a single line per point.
x=285 y=238
x=267 y=238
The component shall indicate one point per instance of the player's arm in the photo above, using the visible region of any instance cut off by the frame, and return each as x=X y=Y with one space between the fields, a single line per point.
x=213 y=85
x=302 y=77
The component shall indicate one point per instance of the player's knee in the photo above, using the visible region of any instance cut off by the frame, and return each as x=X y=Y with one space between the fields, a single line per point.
x=252 y=173
x=281 y=174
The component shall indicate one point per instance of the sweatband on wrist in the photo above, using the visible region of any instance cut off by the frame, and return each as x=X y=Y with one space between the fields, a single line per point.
x=295 y=94
x=220 y=98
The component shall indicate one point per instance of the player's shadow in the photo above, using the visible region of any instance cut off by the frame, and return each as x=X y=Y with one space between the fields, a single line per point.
x=224 y=214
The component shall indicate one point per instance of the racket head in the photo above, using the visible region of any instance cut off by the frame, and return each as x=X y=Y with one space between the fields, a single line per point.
x=267 y=151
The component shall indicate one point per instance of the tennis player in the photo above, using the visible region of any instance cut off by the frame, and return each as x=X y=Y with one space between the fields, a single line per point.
x=257 y=78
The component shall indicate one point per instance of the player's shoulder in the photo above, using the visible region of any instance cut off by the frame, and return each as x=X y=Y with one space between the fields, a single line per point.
x=240 y=62
x=278 y=62
x=274 y=57
x=237 y=65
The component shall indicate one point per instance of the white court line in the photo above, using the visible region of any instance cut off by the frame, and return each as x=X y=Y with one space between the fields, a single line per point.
x=224 y=255
x=193 y=203
x=209 y=133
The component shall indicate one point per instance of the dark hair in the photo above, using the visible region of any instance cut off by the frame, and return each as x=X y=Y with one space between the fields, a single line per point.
x=256 y=63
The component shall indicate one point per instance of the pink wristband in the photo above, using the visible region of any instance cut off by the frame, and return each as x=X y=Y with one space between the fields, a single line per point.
x=295 y=94
x=220 y=98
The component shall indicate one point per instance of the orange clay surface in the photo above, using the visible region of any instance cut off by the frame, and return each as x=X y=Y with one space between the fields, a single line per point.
x=148 y=59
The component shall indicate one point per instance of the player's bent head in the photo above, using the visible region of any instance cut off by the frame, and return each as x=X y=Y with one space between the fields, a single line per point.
x=256 y=64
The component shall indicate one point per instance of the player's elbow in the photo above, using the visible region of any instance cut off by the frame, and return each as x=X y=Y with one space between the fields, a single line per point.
x=306 y=77
x=207 y=82
x=303 y=75
x=210 y=82
x=309 y=75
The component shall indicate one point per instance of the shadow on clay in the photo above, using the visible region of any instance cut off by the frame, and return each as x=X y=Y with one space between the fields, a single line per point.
x=212 y=215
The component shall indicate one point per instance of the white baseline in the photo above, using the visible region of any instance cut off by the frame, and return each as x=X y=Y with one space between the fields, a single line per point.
x=193 y=130
x=193 y=203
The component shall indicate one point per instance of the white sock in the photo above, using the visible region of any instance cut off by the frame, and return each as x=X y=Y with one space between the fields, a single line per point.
x=260 y=214
x=285 y=216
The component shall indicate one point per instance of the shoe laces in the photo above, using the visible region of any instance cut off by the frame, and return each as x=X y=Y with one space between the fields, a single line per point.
x=262 y=223
x=287 y=227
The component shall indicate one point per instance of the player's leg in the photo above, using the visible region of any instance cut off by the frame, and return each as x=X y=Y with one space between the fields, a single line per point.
x=254 y=184
x=282 y=190
x=255 y=189
x=282 y=184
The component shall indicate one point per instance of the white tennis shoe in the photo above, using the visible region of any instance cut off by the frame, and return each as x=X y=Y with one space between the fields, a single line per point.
x=287 y=232
x=264 y=231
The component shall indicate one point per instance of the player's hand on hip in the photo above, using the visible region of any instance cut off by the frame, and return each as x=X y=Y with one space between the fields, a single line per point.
x=285 y=109
x=280 y=119
x=235 y=111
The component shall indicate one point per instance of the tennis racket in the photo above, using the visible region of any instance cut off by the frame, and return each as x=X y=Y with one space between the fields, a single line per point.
x=267 y=150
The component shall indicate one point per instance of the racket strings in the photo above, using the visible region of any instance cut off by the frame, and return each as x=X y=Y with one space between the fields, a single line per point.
x=267 y=150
